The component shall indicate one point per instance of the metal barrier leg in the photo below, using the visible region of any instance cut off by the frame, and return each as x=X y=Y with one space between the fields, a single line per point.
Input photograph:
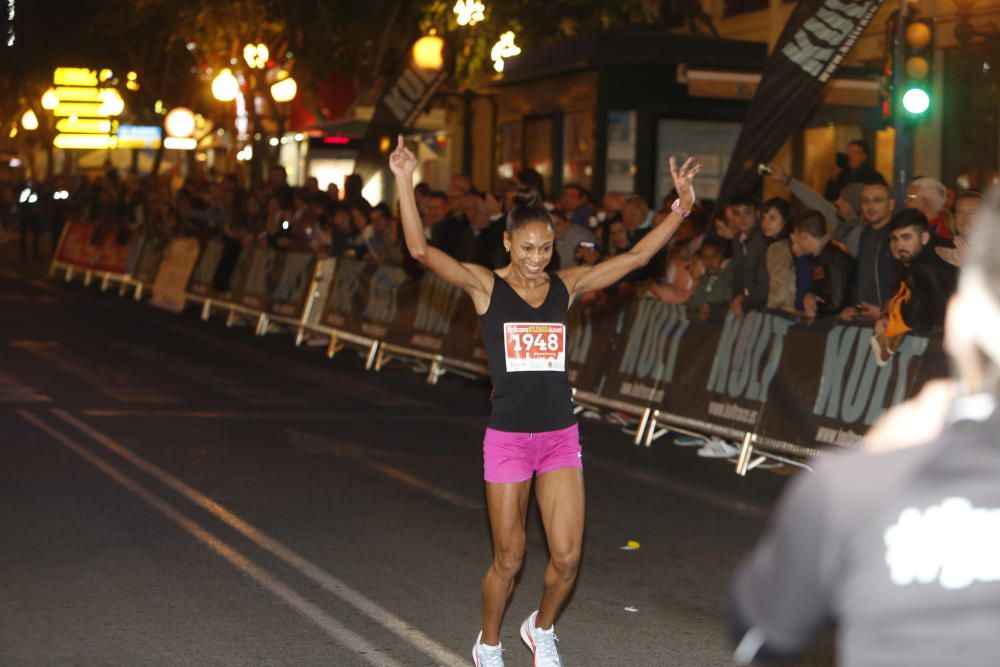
x=746 y=452
x=122 y=288
x=137 y=295
x=88 y=277
x=374 y=359
x=206 y=309
x=643 y=423
x=262 y=325
x=105 y=282
x=230 y=318
x=333 y=347
x=435 y=372
x=300 y=335
x=69 y=274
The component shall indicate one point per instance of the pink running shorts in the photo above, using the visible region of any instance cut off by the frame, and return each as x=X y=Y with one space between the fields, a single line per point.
x=510 y=457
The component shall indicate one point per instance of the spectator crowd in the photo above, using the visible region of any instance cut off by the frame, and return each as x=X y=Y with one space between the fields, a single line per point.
x=853 y=252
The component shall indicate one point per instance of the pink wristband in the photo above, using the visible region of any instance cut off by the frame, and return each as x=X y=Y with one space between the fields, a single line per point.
x=676 y=208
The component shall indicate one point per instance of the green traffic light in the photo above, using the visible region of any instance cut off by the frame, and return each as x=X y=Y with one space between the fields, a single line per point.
x=916 y=101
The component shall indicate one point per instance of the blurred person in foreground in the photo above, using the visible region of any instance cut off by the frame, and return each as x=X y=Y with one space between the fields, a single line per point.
x=899 y=544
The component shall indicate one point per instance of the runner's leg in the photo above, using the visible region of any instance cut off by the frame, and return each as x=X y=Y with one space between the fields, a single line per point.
x=508 y=505
x=561 y=503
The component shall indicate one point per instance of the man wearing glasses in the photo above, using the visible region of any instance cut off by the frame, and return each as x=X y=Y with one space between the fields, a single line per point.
x=877 y=276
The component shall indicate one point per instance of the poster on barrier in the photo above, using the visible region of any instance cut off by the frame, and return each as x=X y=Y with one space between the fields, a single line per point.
x=114 y=250
x=208 y=262
x=658 y=350
x=255 y=277
x=425 y=315
x=294 y=275
x=147 y=264
x=828 y=390
x=177 y=265
x=591 y=337
x=76 y=248
x=731 y=375
x=363 y=299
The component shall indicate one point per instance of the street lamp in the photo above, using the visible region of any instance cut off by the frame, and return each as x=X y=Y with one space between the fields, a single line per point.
x=29 y=120
x=256 y=55
x=285 y=88
x=50 y=100
x=428 y=52
x=225 y=87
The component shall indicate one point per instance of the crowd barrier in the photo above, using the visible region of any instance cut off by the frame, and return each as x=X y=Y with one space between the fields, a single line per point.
x=779 y=386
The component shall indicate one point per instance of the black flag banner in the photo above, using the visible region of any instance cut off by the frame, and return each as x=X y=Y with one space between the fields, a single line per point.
x=818 y=36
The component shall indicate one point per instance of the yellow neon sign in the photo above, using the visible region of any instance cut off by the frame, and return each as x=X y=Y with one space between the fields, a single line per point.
x=86 y=126
x=80 y=76
x=85 y=141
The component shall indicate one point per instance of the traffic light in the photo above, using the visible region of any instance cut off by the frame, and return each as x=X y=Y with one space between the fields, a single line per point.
x=916 y=91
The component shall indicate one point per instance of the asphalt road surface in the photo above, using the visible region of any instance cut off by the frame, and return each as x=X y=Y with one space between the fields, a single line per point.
x=173 y=492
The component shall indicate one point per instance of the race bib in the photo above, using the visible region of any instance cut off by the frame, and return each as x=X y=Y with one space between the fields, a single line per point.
x=534 y=346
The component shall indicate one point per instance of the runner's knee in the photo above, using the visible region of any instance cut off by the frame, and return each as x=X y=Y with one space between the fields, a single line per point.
x=566 y=561
x=508 y=558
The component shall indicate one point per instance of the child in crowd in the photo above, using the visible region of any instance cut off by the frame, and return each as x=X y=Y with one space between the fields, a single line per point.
x=713 y=281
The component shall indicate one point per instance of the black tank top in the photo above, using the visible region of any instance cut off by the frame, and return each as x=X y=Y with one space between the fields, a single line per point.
x=526 y=350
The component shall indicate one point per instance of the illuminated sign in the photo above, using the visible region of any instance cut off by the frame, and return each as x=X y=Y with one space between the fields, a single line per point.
x=138 y=136
x=85 y=103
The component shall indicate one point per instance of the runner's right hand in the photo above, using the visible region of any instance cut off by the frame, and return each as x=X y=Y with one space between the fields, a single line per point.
x=402 y=162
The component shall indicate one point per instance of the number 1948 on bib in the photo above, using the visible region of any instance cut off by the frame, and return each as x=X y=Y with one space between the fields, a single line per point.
x=534 y=346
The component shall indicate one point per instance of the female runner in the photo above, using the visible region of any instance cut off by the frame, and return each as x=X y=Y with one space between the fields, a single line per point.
x=532 y=429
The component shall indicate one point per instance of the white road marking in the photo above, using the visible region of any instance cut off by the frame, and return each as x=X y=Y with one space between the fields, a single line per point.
x=120 y=386
x=364 y=456
x=327 y=623
x=328 y=582
x=12 y=391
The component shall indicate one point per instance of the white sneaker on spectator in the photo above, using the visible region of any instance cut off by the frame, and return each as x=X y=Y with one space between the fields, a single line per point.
x=717 y=448
x=484 y=655
x=541 y=642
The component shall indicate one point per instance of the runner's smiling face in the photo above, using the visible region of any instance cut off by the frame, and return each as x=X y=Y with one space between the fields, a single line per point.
x=530 y=248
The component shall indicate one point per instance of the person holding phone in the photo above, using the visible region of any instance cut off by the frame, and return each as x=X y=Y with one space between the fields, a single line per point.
x=532 y=430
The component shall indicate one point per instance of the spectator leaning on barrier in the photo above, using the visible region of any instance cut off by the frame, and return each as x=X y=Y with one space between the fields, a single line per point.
x=832 y=266
x=967 y=206
x=928 y=196
x=776 y=226
x=750 y=282
x=713 y=287
x=843 y=218
x=877 y=277
x=927 y=283
x=897 y=543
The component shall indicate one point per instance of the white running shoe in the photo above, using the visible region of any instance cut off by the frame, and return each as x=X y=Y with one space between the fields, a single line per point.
x=484 y=655
x=717 y=448
x=541 y=642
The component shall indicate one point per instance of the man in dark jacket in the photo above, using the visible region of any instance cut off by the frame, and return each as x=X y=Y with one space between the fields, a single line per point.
x=749 y=250
x=927 y=279
x=855 y=169
x=832 y=266
x=877 y=277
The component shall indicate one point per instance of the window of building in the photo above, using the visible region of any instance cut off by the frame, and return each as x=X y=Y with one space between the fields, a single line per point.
x=538 y=148
x=578 y=148
x=709 y=143
x=509 y=155
x=619 y=168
